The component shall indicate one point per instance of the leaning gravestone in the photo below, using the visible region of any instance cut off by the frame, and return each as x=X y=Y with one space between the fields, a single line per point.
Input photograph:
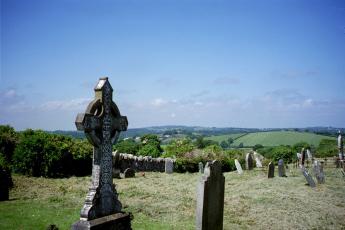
x=201 y=167
x=238 y=167
x=270 y=170
x=169 y=166
x=318 y=172
x=281 y=168
x=249 y=161
x=307 y=176
x=102 y=124
x=210 y=198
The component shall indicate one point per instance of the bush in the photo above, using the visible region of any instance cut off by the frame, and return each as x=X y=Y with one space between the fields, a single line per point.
x=177 y=148
x=279 y=152
x=150 y=146
x=8 y=141
x=127 y=146
x=327 y=148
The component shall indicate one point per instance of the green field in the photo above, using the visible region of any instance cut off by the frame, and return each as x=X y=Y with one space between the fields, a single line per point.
x=220 y=138
x=168 y=201
x=274 y=138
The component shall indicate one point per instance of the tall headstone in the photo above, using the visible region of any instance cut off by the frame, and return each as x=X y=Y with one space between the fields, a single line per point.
x=238 y=167
x=303 y=153
x=318 y=172
x=270 y=170
x=169 y=166
x=340 y=146
x=281 y=168
x=102 y=124
x=257 y=159
x=210 y=198
x=201 y=167
x=249 y=161
x=307 y=176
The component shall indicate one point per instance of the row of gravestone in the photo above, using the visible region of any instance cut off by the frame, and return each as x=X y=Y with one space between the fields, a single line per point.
x=249 y=162
x=123 y=161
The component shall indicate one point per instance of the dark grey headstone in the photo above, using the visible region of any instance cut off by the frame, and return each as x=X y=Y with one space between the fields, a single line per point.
x=249 y=161
x=129 y=173
x=210 y=198
x=281 y=168
x=271 y=170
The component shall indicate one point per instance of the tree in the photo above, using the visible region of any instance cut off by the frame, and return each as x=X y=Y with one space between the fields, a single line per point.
x=150 y=146
x=224 y=144
x=199 y=143
x=230 y=141
x=127 y=146
x=178 y=148
x=257 y=146
x=8 y=141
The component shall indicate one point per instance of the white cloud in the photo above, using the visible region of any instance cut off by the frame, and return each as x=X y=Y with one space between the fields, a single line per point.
x=158 y=102
x=70 y=105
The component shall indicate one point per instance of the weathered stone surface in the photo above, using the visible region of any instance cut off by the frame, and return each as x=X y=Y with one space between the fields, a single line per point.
x=118 y=221
x=249 y=161
x=258 y=158
x=270 y=170
x=238 y=167
x=303 y=156
x=281 y=168
x=201 y=167
x=102 y=124
x=307 y=176
x=210 y=198
x=129 y=173
x=341 y=146
x=318 y=172
x=169 y=165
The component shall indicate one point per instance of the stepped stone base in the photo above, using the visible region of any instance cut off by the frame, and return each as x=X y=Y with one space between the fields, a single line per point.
x=118 y=221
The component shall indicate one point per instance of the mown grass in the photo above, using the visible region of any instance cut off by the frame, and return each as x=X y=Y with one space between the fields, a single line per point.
x=277 y=138
x=163 y=201
x=220 y=138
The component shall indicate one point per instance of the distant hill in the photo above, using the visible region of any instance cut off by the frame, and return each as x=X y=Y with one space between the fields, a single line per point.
x=248 y=136
x=274 y=138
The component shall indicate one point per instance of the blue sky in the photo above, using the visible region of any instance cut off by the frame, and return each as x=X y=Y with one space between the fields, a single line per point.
x=269 y=63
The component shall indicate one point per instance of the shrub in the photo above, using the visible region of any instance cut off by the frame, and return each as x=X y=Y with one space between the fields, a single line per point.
x=127 y=146
x=327 y=148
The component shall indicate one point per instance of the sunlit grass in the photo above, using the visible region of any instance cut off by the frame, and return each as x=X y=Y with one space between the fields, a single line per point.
x=168 y=201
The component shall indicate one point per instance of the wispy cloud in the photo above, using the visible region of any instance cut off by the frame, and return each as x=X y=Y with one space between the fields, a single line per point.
x=70 y=105
x=293 y=74
x=226 y=81
x=166 y=81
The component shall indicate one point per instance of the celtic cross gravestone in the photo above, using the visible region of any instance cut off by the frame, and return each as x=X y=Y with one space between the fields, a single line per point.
x=102 y=124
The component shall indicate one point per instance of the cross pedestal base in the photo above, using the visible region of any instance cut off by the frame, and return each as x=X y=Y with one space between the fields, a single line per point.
x=118 y=221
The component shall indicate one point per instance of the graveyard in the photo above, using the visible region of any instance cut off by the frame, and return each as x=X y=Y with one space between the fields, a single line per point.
x=168 y=201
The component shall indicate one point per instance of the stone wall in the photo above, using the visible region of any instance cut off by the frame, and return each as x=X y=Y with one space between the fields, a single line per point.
x=122 y=161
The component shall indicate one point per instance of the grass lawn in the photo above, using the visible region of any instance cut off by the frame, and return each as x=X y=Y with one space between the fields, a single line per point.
x=162 y=201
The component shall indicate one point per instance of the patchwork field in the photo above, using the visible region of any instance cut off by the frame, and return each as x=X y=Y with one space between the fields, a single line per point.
x=162 y=201
x=274 y=138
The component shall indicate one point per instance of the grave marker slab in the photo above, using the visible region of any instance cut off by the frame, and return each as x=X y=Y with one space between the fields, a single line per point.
x=169 y=166
x=238 y=167
x=318 y=172
x=281 y=168
x=102 y=124
x=210 y=198
x=201 y=167
x=129 y=173
x=307 y=176
x=270 y=170
x=249 y=161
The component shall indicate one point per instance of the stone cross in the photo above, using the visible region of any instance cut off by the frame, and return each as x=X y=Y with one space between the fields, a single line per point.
x=210 y=198
x=102 y=124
